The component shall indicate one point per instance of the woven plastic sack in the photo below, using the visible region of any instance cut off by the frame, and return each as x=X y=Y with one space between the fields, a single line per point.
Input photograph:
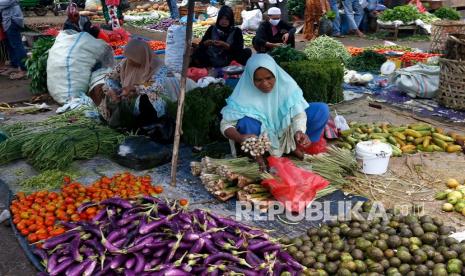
x=294 y=187
x=420 y=80
x=175 y=47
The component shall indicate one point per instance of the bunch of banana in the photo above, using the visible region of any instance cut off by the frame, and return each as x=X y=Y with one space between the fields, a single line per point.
x=403 y=139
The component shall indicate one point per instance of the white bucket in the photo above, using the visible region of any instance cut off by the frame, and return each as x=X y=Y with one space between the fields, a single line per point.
x=373 y=156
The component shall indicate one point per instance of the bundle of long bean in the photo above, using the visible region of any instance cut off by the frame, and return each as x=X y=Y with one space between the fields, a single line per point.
x=11 y=148
x=56 y=149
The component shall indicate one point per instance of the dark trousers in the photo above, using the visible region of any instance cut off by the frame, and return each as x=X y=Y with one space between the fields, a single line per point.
x=201 y=59
x=15 y=46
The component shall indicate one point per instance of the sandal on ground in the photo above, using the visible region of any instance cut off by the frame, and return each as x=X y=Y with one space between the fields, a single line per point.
x=7 y=72
x=21 y=75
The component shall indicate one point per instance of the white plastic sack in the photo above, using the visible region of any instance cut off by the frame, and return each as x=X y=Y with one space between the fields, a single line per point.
x=71 y=61
x=420 y=80
x=172 y=86
x=251 y=19
x=175 y=47
x=93 y=5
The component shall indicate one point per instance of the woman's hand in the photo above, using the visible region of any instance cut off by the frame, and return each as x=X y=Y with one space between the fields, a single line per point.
x=208 y=42
x=114 y=97
x=285 y=38
x=222 y=44
x=246 y=136
x=302 y=139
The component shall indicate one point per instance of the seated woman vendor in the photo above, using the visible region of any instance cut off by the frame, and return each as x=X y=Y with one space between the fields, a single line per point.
x=267 y=100
x=130 y=98
x=273 y=33
x=221 y=44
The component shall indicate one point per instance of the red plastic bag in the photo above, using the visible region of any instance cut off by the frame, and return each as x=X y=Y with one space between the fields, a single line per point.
x=293 y=187
x=419 y=5
x=195 y=73
x=315 y=147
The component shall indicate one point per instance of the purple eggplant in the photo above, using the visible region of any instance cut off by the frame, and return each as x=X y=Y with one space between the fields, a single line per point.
x=145 y=240
x=85 y=205
x=210 y=246
x=119 y=243
x=151 y=226
x=60 y=239
x=156 y=244
x=259 y=245
x=74 y=249
x=129 y=219
x=160 y=252
x=154 y=262
x=100 y=215
x=287 y=258
x=41 y=253
x=140 y=263
x=174 y=272
x=136 y=248
x=60 y=268
x=271 y=247
x=198 y=246
x=118 y=202
x=78 y=269
x=252 y=259
x=130 y=262
x=94 y=243
x=52 y=262
x=240 y=242
x=90 y=268
x=68 y=224
x=117 y=261
x=117 y=234
x=246 y=272
x=190 y=236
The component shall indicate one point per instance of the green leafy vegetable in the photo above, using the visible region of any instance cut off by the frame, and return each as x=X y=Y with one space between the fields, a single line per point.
x=428 y=18
x=296 y=8
x=447 y=13
x=368 y=61
x=49 y=179
x=325 y=47
x=287 y=54
x=406 y=14
x=36 y=64
x=202 y=117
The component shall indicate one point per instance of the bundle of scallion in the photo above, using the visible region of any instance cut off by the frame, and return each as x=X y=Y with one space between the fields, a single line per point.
x=57 y=148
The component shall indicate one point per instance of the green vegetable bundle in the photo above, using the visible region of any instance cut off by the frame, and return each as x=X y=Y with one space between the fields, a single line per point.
x=47 y=180
x=325 y=47
x=296 y=8
x=320 y=80
x=368 y=61
x=57 y=149
x=447 y=13
x=287 y=54
x=406 y=14
x=36 y=64
x=202 y=117
x=428 y=18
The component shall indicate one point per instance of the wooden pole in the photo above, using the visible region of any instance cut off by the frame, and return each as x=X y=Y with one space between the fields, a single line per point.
x=182 y=94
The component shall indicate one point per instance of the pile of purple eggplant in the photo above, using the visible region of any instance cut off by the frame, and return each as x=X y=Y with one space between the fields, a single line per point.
x=152 y=236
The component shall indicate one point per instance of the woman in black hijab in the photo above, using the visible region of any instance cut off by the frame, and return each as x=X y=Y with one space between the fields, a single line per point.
x=221 y=44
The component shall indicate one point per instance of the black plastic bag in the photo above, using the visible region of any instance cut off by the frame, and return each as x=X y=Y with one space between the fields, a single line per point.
x=325 y=27
x=141 y=153
x=162 y=131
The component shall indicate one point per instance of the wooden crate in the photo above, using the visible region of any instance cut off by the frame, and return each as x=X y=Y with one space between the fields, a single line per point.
x=198 y=9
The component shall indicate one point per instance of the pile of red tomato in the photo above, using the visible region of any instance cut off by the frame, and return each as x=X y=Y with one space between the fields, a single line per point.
x=36 y=215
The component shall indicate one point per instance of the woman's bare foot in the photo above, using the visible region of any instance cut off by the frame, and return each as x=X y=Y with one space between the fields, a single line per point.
x=8 y=71
x=360 y=34
x=299 y=154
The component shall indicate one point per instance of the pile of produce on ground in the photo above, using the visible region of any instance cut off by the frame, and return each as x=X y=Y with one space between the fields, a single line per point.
x=37 y=215
x=46 y=180
x=367 y=61
x=150 y=236
x=406 y=13
x=202 y=117
x=59 y=140
x=394 y=245
x=36 y=64
x=321 y=80
x=287 y=54
x=118 y=47
x=163 y=25
x=454 y=196
x=148 y=7
x=248 y=37
x=226 y=178
x=199 y=30
x=447 y=13
x=325 y=47
x=407 y=56
x=403 y=139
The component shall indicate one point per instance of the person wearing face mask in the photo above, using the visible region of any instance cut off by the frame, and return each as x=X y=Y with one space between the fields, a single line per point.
x=221 y=44
x=273 y=33
x=267 y=100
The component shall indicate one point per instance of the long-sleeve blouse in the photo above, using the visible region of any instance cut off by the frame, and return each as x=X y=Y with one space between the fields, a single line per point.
x=286 y=140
